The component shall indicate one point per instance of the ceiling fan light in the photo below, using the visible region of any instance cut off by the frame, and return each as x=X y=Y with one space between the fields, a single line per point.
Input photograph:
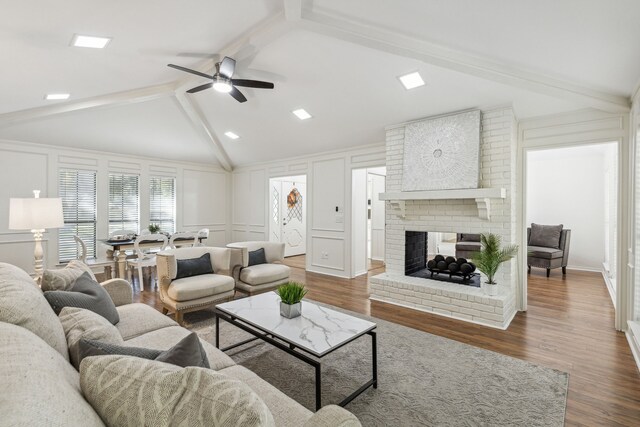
x=222 y=87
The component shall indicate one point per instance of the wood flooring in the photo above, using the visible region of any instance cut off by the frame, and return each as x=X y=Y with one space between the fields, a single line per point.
x=568 y=326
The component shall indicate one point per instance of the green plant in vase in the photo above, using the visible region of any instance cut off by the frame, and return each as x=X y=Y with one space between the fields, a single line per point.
x=490 y=257
x=154 y=228
x=291 y=294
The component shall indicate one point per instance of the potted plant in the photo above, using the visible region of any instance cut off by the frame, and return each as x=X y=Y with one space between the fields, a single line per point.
x=490 y=257
x=154 y=228
x=291 y=294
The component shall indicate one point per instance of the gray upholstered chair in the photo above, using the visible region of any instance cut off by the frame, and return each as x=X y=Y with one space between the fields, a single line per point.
x=258 y=278
x=467 y=244
x=544 y=252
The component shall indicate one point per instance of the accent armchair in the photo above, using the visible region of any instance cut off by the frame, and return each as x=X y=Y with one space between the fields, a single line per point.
x=196 y=292
x=548 y=247
x=254 y=273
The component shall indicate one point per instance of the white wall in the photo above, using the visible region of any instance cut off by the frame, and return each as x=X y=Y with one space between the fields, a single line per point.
x=201 y=192
x=569 y=186
x=328 y=186
x=359 y=221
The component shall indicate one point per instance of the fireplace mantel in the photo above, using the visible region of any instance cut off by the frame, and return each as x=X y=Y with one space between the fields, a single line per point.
x=482 y=197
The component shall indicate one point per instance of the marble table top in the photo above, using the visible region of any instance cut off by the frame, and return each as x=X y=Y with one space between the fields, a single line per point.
x=318 y=330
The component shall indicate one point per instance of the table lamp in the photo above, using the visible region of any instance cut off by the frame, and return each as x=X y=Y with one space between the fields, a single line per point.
x=36 y=214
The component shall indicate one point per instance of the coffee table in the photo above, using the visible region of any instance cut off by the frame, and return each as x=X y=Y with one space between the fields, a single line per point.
x=309 y=337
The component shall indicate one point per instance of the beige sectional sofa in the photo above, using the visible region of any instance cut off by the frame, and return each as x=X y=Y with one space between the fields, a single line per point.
x=41 y=387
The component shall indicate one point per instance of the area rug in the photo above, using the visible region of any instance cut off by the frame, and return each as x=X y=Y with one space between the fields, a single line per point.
x=423 y=379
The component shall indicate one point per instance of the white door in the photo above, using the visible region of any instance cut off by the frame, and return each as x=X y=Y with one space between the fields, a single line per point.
x=377 y=217
x=288 y=222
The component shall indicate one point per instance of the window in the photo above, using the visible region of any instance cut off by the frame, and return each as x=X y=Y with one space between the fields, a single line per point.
x=124 y=203
x=77 y=189
x=162 y=200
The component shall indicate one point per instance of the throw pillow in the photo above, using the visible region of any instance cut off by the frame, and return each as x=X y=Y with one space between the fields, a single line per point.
x=187 y=352
x=85 y=293
x=194 y=266
x=547 y=236
x=22 y=304
x=257 y=257
x=63 y=278
x=129 y=391
x=79 y=323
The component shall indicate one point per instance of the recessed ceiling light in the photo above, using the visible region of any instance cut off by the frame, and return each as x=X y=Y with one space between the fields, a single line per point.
x=231 y=135
x=301 y=114
x=412 y=80
x=56 y=96
x=79 y=40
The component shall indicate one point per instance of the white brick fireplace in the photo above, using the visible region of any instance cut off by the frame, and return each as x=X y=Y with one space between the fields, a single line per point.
x=489 y=209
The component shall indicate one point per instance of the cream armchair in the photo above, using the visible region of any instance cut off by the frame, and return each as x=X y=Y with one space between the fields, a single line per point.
x=196 y=292
x=253 y=279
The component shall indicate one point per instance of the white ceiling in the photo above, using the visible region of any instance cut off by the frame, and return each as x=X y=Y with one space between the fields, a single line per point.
x=593 y=42
x=156 y=128
x=352 y=91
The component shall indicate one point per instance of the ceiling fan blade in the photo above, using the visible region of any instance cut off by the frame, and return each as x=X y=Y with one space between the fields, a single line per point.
x=199 y=88
x=189 y=70
x=237 y=95
x=252 y=83
x=227 y=67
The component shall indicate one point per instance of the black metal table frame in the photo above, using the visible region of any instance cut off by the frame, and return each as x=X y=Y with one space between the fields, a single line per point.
x=291 y=349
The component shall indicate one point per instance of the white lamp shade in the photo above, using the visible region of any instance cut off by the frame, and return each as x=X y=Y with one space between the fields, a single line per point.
x=35 y=214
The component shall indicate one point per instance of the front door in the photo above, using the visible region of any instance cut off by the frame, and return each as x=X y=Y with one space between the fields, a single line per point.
x=287 y=215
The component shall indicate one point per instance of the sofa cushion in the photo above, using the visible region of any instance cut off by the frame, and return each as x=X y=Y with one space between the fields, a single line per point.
x=22 y=304
x=40 y=387
x=547 y=253
x=257 y=257
x=470 y=237
x=547 y=236
x=137 y=319
x=187 y=352
x=62 y=279
x=468 y=246
x=194 y=266
x=165 y=338
x=128 y=391
x=285 y=410
x=264 y=273
x=84 y=293
x=206 y=285
x=79 y=323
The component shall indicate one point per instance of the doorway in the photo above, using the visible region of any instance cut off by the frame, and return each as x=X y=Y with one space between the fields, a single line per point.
x=368 y=222
x=576 y=186
x=287 y=213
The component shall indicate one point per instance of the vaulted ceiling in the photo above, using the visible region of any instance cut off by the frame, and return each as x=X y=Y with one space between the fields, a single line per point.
x=338 y=60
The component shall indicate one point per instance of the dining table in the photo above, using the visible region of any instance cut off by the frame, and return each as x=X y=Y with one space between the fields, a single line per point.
x=118 y=250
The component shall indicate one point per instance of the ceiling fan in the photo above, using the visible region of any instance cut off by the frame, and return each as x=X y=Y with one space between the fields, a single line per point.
x=222 y=81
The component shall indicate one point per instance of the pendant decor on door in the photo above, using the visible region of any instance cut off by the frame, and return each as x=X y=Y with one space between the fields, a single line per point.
x=294 y=205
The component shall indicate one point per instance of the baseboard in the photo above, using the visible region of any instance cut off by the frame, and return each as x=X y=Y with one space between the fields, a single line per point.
x=609 y=284
x=633 y=337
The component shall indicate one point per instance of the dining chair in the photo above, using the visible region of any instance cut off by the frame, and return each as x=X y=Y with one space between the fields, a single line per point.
x=82 y=246
x=144 y=259
x=185 y=240
x=202 y=234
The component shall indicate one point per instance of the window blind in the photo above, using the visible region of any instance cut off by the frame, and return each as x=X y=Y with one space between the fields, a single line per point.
x=124 y=203
x=162 y=201
x=77 y=189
